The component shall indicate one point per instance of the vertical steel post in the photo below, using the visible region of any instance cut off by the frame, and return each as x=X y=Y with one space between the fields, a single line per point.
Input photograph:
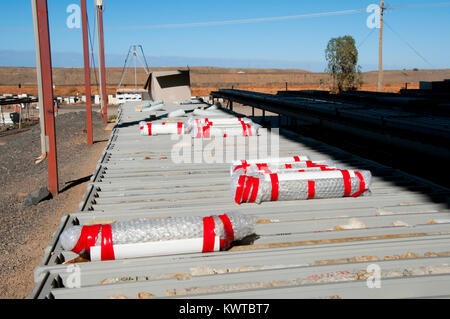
x=39 y=81
x=87 y=74
x=45 y=74
x=380 y=50
x=101 y=49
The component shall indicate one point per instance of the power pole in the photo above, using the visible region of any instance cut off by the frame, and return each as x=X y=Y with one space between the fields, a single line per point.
x=44 y=73
x=101 y=53
x=87 y=74
x=380 y=50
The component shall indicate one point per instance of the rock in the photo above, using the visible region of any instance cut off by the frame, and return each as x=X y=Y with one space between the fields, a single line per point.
x=36 y=196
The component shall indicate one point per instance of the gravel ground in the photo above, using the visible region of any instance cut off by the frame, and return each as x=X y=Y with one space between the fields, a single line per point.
x=25 y=232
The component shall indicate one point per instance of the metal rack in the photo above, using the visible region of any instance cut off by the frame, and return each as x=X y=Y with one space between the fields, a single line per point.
x=298 y=254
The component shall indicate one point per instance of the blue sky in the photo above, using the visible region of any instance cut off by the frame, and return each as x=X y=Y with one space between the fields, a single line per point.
x=416 y=36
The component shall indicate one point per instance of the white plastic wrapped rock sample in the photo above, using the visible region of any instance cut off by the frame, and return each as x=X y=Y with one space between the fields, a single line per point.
x=222 y=122
x=163 y=128
x=333 y=183
x=129 y=235
x=207 y=131
x=154 y=108
x=176 y=113
x=147 y=104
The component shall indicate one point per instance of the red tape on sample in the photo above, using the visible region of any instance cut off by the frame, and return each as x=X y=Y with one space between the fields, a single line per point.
x=199 y=128
x=263 y=167
x=107 y=249
x=206 y=131
x=255 y=186
x=311 y=189
x=209 y=234
x=249 y=129
x=180 y=128
x=247 y=188
x=239 y=189
x=297 y=158
x=244 y=129
x=149 y=125
x=288 y=165
x=275 y=187
x=347 y=182
x=362 y=184
x=244 y=166
x=87 y=239
x=229 y=233
x=310 y=164
x=251 y=185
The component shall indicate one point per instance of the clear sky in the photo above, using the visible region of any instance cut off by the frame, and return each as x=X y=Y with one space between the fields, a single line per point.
x=175 y=32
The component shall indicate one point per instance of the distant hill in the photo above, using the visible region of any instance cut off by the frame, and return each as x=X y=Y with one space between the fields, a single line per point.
x=214 y=77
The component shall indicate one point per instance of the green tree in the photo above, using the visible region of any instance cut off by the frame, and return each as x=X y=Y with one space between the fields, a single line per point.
x=342 y=57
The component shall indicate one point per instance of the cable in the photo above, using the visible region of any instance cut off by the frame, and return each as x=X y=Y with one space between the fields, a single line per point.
x=241 y=21
x=145 y=60
x=409 y=45
x=124 y=68
x=92 y=51
x=256 y=20
x=418 y=5
x=365 y=39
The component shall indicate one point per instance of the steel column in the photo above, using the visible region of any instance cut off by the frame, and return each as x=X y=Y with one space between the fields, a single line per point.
x=101 y=45
x=87 y=74
x=38 y=68
x=47 y=93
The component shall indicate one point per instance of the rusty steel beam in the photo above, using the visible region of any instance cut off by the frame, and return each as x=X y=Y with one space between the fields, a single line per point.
x=87 y=74
x=45 y=74
x=101 y=43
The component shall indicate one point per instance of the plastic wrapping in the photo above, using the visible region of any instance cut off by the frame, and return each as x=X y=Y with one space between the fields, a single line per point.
x=159 y=230
x=207 y=131
x=176 y=113
x=153 y=108
x=192 y=101
x=285 y=166
x=148 y=104
x=192 y=122
x=278 y=161
x=162 y=128
x=332 y=183
x=207 y=127
x=199 y=112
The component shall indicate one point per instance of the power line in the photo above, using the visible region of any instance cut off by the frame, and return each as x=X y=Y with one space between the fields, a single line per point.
x=409 y=45
x=367 y=37
x=280 y=18
x=257 y=20
x=92 y=50
x=418 y=6
x=241 y=21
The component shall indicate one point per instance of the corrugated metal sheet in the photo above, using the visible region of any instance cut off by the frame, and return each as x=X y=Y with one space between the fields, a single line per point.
x=297 y=253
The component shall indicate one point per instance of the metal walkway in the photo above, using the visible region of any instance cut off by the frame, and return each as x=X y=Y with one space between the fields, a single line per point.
x=298 y=251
